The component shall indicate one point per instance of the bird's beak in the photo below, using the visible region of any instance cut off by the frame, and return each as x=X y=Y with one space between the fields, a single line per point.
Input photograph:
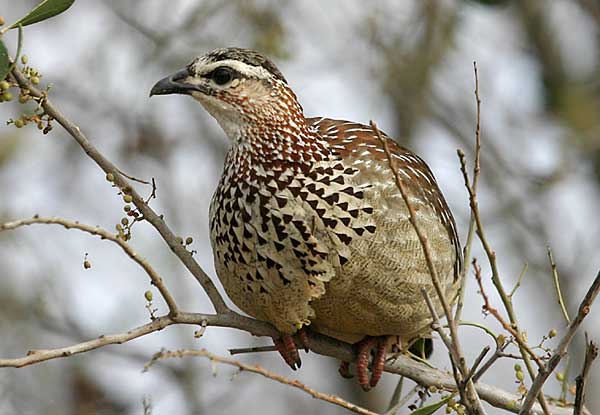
x=177 y=83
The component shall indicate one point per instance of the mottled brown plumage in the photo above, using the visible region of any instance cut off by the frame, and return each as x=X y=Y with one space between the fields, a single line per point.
x=307 y=225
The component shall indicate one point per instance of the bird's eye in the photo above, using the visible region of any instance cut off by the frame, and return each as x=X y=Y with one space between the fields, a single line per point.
x=221 y=76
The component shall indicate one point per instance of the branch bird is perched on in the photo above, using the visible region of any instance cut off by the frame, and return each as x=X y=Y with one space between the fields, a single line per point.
x=307 y=225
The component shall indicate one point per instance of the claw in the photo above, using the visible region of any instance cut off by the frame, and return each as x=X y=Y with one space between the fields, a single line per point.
x=303 y=336
x=362 y=363
x=287 y=349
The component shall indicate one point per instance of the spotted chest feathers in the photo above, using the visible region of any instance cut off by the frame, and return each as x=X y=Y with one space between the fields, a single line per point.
x=281 y=229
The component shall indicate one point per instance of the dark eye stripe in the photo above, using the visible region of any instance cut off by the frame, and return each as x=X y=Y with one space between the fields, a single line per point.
x=234 y=74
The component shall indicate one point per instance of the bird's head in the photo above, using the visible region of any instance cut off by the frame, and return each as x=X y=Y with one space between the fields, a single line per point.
x=240 y=88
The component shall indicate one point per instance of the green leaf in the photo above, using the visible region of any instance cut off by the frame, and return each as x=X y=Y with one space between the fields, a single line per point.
x=45 y=10
x=4 y=61
x=430 y=409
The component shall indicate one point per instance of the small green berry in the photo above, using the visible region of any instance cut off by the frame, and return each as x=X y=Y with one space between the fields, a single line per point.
x=24 y=59
x=520 y=375
x=4 y=85
x=124 y=221
x=7 y=96
x=517 y=367
x=127 y=208
x=35 y=80
x=560 y=376
x=19 y=123
x=127 y=198
x=23 y=99
x=148 y=295
x=110 y=177
x=552 y=333
x=188 y=240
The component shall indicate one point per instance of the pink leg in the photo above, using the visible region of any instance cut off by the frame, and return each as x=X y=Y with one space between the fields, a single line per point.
x=378 y=361
x=303 y=336
x=362 y=363
x=287 y=349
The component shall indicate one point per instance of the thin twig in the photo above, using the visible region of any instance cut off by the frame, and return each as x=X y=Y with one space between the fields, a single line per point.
x=435 y=325
x=148 y=213
x=473 y=403
x=157 y=281
x=394 y=409
x=559 y=295
x=135 y=179
x=591 y=353
x=505 y=324
x=561 y=350
x=519 y=280
x=255 y=349
x=333 y=399
x=476 y=172
x=477 y=361
x=491 y=255
x=497 y=354
x=396 y=395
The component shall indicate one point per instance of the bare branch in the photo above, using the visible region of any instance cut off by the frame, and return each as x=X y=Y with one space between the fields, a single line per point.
x=559 y=295
x=401 y=365
x=157 y=281
x=476 y=171
x=591 y=353
x=255 y=349
x=506 y=325
x=561 y=350
x=491 y=255
x=336 y=400
x=148 y=213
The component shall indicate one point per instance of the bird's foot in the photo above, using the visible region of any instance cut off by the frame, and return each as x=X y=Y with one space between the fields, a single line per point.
x=345 y=370
x=287 y=349
x=286 y=346
x=303 y=336
x=364 y=348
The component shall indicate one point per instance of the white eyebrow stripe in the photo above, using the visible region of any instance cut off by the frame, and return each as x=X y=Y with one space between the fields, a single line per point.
x=202 y=68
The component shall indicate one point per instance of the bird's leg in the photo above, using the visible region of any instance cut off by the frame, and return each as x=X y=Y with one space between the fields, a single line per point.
x=287 y=349
x=378 y=361
x=364 y=348
x=345 y=370
x=303 y=336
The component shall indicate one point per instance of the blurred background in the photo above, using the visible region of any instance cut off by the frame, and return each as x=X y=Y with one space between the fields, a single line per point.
x=407 y=65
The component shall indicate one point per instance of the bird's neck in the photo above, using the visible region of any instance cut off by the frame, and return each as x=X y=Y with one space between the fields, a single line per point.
x=272 y=145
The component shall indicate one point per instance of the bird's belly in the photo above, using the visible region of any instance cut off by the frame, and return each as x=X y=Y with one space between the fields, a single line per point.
x=378 y=292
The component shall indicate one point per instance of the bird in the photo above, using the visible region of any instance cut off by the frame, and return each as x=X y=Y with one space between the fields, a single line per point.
x=308 y=228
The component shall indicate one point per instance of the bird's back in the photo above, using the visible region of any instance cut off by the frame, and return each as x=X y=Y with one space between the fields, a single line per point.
x=378 y=290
